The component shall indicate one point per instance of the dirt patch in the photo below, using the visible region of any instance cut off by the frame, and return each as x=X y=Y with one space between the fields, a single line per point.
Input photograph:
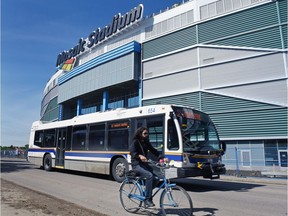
x=18 y=200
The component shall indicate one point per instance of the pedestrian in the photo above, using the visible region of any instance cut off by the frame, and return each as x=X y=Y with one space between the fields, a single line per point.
x=139 y=150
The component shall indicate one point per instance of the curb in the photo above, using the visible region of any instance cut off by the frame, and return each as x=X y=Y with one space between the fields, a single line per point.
x=266 y=180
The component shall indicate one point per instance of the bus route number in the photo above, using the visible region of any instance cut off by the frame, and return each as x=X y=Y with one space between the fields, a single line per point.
x=151 y=110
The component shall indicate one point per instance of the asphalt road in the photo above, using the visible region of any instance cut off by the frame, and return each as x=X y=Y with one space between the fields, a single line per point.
x=99 y=193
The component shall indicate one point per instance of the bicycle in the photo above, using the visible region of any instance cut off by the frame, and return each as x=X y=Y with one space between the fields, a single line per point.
x=174 y=200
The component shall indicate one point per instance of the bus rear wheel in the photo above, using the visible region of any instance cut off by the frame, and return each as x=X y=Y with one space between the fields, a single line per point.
x=119 y=168
x=47 y=163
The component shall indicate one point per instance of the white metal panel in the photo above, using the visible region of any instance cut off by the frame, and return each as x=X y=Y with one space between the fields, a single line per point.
x=208 y=55
x=273 y=92
x=171 y=63
x=264 y=68
x=170 y=85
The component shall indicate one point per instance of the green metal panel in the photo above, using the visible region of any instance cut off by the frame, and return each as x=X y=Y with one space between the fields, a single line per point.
x=236 y=23
x=285 y=36
x=256 y=123
x=213 y=103
x=283 y=11
x=170 y=42
x=234 y=117
x=191 y=99
x=254 y=27
x=268 y=38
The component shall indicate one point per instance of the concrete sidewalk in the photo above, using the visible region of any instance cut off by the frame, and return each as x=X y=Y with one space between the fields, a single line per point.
x=260 y=180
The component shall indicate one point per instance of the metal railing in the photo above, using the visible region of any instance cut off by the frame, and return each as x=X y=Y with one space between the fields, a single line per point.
x=14 y=154
x=256 y=161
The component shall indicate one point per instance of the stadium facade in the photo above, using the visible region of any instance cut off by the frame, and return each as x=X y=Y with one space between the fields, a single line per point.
x=227 y=58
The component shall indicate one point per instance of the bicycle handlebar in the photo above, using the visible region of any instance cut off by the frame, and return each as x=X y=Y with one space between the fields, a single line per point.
x=161 y=165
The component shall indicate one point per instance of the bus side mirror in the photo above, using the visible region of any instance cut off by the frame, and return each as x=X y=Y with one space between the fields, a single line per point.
x=223 y=147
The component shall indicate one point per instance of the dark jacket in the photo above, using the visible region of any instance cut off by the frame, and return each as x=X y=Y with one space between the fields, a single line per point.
x=136 y=150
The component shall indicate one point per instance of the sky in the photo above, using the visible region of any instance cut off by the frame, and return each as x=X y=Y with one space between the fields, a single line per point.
x=33 y=33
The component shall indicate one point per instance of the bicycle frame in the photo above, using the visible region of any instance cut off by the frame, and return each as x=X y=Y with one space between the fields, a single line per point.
x=172 y=197
x=140 y=183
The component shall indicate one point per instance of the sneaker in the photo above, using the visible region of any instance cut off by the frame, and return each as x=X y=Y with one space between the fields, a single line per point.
x=149 y=204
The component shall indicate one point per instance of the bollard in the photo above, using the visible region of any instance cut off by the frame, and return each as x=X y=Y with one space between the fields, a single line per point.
x=237 y=165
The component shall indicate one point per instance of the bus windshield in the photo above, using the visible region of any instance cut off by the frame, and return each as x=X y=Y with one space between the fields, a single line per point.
x=198 y=131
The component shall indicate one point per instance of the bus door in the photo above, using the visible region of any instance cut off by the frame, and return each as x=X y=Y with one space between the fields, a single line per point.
x=60 y=147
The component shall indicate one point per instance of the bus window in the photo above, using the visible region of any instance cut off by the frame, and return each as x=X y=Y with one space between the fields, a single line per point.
x=118 y=135
x=155 y=127
x=79 y=138
x=173 y=142
x=199 y=135
x=49 y=138
x=97 y=137
x=212 y=136
x=38 y=139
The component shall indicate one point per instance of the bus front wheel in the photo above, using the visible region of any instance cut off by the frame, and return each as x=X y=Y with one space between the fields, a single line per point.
x=47 y=163
x=119 y=168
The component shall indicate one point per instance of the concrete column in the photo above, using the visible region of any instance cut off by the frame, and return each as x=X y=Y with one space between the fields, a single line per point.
x=79 y=106
x=60 y=112
x=105 y=101
x=140 y=92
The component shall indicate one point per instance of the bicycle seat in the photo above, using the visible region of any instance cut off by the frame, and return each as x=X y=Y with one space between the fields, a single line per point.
x=131 y=174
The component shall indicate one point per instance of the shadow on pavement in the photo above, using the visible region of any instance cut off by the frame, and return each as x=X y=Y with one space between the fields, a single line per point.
x=9 y=165
x=206 y=211
x=204 y=185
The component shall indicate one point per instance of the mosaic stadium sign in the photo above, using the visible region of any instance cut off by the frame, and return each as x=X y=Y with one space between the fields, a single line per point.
x=118 y=23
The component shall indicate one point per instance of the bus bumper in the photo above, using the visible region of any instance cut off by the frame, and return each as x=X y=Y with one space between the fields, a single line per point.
x=206 y=170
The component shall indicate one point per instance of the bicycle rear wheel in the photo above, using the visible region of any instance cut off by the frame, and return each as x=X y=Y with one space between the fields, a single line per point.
x=176 y=201
x=130 y=193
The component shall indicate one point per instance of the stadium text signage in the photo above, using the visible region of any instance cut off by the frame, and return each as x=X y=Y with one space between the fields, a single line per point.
x=118 y=23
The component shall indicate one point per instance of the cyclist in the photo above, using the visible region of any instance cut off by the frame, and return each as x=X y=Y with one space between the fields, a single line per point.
x=138 y=150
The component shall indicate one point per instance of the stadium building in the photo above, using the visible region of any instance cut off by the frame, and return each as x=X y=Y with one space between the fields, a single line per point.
x=227 y=58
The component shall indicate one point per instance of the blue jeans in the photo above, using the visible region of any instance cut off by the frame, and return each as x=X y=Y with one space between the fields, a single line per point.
x=145 y=171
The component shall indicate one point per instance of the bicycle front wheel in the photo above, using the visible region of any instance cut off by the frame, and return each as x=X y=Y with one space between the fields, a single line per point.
x=130 y=196
x=176 y=201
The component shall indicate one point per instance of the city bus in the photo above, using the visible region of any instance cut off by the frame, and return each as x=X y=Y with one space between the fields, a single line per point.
x=99 y=142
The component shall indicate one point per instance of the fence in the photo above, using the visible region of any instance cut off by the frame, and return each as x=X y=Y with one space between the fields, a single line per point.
x=13 y=154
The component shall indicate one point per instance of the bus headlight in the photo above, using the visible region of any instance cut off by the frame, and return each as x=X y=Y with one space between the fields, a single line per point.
x=185 y=159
